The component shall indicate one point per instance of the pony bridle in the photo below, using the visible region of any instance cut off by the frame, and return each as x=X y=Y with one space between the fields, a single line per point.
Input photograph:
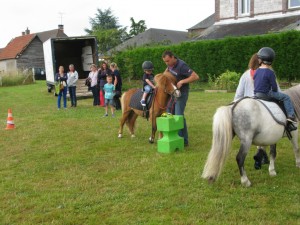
x=176 y=92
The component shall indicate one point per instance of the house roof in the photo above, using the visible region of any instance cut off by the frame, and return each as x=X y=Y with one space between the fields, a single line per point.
x=17 y=45
x=44 y=36
x=252 y=27
x=207 y=22
x=154 y=35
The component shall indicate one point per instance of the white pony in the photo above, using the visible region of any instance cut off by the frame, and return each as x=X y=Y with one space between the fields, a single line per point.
x=253 y=124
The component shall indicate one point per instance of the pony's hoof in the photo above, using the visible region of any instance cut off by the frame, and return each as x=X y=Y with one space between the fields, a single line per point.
x=211 y=180
x=257 y=165
x=272 y=173
x=298 y=164
x=133 y=136
x=245 y=182
x=120 y=135
x=151 y=141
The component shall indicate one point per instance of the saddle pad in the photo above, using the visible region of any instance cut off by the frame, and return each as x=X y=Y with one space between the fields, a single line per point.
x=135 y=101
x=275 y=111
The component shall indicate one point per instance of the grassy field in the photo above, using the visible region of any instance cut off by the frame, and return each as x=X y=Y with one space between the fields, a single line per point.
x=69 y=167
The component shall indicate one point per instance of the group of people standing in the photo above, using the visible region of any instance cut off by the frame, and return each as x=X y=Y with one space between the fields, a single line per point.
x=106 y=86
x=68 y=81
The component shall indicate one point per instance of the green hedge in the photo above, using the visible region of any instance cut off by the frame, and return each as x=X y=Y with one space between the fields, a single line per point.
x=214 y=57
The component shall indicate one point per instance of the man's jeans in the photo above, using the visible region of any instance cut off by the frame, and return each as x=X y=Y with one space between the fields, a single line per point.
x=178 y=109
x=72 y=92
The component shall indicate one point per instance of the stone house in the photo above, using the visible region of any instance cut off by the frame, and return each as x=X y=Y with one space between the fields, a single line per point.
x=248 y=17
x=26 y=51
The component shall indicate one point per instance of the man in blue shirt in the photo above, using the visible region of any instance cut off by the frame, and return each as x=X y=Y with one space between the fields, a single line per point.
x=184 y=75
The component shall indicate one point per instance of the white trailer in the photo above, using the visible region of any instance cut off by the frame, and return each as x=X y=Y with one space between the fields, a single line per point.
x=80 y=51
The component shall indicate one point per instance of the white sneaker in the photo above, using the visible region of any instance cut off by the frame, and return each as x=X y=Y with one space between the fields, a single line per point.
x=143 y=103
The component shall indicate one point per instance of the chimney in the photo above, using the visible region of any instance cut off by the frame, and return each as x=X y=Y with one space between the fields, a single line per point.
x=27 y=31
x=23 y=33
x=61 y=27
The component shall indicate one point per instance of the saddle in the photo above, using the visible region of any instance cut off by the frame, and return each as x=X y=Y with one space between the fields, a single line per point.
x=277 y=110
x=275 y=107
x=135 y=102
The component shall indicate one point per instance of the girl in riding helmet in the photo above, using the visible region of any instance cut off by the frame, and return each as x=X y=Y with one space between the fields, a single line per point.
x=148 y=80
x=265 y=82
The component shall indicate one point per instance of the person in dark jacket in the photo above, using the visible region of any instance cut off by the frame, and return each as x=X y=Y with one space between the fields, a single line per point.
x=102 y=74
x=117 y=81
x=61 y=77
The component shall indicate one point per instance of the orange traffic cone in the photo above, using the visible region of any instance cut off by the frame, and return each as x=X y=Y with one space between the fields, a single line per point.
x=10 y=121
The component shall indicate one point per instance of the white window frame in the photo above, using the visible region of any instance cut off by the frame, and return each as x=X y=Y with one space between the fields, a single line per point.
x=296 y=2
x=244 y=7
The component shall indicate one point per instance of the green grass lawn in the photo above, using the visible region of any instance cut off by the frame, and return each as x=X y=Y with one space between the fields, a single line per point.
x=69 y=167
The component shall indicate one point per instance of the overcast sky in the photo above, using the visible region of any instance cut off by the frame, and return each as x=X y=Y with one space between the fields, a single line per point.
x=43 y=15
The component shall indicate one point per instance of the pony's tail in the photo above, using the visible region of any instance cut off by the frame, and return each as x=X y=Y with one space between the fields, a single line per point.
x=221 y=143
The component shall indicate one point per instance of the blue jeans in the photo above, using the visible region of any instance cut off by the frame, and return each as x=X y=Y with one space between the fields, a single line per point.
x=147 y=89
x=286 y=101
x=64 y=94
x=95 y=92
x=109 y=102
x=72 y=92
x=178 y=109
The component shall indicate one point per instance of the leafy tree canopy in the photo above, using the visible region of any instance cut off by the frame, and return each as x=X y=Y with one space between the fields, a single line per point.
x=137 y=27
x=109 y=33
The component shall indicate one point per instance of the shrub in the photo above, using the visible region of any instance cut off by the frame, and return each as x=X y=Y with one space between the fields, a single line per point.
x=215 y=56
x=16 y=78
x=226 y=81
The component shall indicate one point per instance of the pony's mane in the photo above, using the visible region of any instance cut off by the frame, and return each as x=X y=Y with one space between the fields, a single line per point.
x=294 y=93
x=161 y=78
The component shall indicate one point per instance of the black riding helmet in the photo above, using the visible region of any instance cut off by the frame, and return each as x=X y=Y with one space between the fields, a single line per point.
x=266 y=55
x=147 y=65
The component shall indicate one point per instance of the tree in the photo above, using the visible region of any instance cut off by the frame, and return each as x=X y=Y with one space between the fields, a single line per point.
x=137 y=28
x=108 y=39
x=104 y=20
x=107 y=30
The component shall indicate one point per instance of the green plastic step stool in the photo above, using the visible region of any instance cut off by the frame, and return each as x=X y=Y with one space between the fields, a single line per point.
x=169 y=126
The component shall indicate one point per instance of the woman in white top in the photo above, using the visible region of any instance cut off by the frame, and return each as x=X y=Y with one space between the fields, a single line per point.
x=72 y=81
x=93 y=75
x=246 y=83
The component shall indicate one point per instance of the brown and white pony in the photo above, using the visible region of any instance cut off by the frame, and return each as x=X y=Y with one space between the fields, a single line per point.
x=165 y=88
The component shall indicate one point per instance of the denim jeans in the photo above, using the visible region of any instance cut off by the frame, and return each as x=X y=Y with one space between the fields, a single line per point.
x=64 y=94
x=95 y=92
x=147 y=88
x=178 y=109
x=286 y=101
x=72 y=92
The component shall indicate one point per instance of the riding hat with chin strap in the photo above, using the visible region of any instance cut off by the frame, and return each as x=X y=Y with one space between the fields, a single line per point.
x=266 y=55
x=147 y=65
